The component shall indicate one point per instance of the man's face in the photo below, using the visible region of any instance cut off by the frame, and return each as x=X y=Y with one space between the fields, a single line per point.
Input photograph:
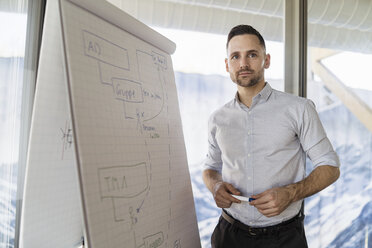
x=246 y=60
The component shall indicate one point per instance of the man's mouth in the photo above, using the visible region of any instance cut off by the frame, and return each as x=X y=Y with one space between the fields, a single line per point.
x=245 y=73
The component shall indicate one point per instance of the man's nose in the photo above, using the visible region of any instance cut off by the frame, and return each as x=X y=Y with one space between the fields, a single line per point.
x=244 y=63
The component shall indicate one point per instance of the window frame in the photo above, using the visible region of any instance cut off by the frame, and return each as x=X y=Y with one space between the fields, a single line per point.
x=35 y=20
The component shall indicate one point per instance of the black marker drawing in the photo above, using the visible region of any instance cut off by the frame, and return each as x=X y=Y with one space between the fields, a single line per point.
x=144 y=94
x=138 y=80
x=177 y=244
x=66 y=137
x=105 y=51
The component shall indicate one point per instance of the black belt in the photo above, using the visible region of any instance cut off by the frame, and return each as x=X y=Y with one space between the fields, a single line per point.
x=255 y=231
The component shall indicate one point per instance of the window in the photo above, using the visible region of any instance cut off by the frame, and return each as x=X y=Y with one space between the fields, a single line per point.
x=20 y=30
x=339 y=84
x=13 y=20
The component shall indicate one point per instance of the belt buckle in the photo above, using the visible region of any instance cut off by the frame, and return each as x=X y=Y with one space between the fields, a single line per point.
x=251 y=231
x=256 y=231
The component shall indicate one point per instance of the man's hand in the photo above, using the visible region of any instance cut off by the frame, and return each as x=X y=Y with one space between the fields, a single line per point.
x=272 y=202
x=221 y=190
x=222 y=194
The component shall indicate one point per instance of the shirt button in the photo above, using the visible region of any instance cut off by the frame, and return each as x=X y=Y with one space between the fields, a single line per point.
x=249 y=178
x=249 y=154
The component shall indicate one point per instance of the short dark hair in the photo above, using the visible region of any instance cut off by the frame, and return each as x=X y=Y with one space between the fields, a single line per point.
x=245 y=29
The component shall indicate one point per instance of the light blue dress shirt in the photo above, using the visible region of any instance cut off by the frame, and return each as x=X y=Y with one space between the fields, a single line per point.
x=265 y=146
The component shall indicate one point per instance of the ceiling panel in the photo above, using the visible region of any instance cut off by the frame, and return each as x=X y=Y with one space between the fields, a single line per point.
x=335 y=24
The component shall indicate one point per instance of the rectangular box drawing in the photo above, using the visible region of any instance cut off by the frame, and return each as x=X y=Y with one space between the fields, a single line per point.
x=105 y=51
x=155 y=240
x=127 y=90
x=123 y=181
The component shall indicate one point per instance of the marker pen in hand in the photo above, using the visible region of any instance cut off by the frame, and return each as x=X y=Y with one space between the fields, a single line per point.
x=243 y=198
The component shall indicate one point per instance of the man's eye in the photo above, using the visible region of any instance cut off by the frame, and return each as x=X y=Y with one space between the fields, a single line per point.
x=252 y=55
x=235 y=57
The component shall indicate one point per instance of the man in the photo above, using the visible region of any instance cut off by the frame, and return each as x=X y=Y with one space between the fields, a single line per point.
x=258 y=144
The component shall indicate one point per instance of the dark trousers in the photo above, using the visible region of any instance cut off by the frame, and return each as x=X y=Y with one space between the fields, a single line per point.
x=227 y=235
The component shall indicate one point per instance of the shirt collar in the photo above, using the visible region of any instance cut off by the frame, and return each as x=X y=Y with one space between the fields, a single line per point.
x=264 y=93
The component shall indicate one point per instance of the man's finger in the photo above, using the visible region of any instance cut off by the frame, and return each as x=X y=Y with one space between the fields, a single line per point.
x=264 y=206
x=261 y=195
x=233 y=199
x=264 y=197
x=226 y=195
x=222 y=195
x=223 y=202
x=222 y=198
x=270 y=212
x=259 y=200
x=232 y=189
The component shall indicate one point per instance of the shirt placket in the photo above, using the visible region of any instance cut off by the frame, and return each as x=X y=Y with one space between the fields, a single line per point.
x=250 y=159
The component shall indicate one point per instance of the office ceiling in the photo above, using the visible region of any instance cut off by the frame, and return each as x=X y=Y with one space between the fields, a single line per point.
x=336 y=24
x=13 y=6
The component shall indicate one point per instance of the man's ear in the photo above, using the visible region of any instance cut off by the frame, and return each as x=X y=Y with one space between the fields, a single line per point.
x=227 y=64
x=267 y=61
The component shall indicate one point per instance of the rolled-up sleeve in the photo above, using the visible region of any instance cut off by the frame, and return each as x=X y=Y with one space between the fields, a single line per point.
x=213 y=159
x=314 y=140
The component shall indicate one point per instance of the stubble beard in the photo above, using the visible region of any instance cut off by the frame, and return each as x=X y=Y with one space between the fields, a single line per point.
x=250 y=83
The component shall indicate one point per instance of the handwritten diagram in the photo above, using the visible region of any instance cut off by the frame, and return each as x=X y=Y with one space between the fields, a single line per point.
x=113 y=60
x=138 y=80
x=119 y=183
